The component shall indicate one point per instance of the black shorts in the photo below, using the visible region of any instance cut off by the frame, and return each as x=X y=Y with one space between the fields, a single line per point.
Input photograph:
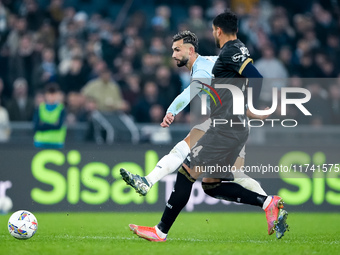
x=219 y=151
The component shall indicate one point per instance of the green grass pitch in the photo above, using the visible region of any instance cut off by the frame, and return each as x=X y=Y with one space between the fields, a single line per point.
x=192 y=233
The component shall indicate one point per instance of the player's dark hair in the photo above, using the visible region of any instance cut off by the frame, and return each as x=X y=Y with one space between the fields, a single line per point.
x=188 y=37
x=227 y=21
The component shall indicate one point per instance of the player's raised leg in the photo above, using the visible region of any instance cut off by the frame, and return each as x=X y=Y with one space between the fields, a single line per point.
x=171 y=162
x=166 y=165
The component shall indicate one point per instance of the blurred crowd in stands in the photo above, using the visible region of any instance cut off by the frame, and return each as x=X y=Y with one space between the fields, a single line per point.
x=111 y=55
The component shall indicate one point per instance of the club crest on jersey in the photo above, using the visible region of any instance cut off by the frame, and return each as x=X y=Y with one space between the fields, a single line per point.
x=240 y=57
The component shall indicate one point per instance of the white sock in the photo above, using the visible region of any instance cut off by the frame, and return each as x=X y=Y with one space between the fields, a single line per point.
x=267 y=202
x=248 y=183
x=160 y=233
x=169 y=163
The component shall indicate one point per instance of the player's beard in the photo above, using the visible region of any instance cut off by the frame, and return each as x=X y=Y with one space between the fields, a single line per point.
x=182 y=62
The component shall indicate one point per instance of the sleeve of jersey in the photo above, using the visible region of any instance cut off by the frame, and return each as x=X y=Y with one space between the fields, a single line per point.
x=250 y=72
x=183 y=99
x=236 y=60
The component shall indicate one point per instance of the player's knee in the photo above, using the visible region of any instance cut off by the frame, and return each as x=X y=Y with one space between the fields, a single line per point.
x=181 y=150
x=187 y=140
x=208 y=187
x=239 y=163
x=182 y=190
x=186 y=174
x=211 y=180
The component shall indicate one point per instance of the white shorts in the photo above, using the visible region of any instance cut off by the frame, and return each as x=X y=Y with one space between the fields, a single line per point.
x=205 y=126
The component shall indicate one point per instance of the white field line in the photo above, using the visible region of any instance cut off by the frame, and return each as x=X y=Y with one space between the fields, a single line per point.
x=179 y=239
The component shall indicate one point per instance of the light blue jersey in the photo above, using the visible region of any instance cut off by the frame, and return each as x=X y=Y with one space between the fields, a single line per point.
x=201 y=69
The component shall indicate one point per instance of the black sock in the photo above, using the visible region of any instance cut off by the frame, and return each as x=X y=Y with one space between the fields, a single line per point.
x=233 y=192
x=178 y=199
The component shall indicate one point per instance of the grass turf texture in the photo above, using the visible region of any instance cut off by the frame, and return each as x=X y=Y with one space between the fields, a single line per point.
x=192 y=233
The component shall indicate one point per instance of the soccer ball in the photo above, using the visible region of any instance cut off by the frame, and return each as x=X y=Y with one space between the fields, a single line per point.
x=22 y=224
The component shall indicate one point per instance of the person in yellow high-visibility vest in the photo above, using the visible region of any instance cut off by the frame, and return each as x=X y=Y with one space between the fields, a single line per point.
x=49 y=120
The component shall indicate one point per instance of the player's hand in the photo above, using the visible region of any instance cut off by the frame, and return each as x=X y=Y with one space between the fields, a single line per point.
x=255 y=116
x=167 y=120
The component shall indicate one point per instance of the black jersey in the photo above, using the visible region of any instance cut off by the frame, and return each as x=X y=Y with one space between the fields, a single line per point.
x=233 y=58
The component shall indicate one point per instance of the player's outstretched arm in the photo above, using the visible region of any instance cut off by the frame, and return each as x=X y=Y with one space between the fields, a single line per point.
x=183 y=99
x=179 y=103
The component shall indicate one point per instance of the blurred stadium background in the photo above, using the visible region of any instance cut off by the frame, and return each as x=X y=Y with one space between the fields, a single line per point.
x=76 y=42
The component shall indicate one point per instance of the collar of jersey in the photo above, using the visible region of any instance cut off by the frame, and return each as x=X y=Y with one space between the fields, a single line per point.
x=232 y=41
x=192 y=68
